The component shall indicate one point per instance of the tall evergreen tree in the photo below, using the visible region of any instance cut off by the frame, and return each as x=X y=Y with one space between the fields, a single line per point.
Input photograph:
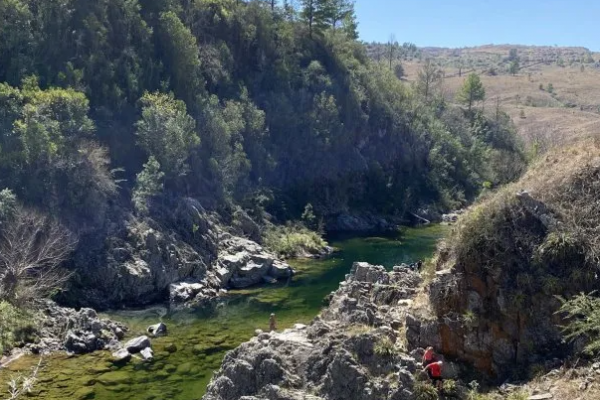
x=472 y=91
x=310 y=14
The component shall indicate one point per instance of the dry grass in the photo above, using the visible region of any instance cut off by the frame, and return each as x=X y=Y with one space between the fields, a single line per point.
x=568 y=114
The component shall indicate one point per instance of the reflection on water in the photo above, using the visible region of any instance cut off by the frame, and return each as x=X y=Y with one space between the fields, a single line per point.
x=197 y=341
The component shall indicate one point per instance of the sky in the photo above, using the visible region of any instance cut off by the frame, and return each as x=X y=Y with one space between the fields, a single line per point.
x=464 y=23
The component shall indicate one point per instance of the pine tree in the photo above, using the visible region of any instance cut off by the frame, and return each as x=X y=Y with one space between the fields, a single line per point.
x=310 y=14
x=471 y=91
x=336 y=11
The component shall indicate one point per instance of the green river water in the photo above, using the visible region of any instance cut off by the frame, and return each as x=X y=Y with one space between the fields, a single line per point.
x=202 y=338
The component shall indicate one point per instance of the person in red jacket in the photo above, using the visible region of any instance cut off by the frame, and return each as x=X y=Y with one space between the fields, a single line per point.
x=434 y=370
x=429 y=356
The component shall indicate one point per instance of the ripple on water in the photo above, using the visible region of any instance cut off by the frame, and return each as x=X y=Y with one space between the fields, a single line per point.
x=185 y=360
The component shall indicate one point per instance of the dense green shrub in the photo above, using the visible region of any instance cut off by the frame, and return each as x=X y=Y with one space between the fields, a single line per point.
x=582 y=314
x=149 y=183
x=16 y=326
x=293 y=240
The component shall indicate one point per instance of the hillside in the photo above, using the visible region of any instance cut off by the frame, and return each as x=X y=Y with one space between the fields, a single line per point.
x=570 y=112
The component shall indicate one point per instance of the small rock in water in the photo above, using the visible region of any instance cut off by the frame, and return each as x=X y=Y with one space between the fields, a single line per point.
x=157 y=330
x=258 y=332
x=121 y=356
x=138 y=344
x=171 y=347
x=147 y=354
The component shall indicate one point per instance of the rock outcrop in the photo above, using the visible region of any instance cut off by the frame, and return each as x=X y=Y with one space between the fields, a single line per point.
x=180 y=254
x=240 y=263
x=65 y=329
x=351 y=351
x=494 y=295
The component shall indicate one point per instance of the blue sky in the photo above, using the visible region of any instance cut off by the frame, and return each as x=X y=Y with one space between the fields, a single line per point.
x=459 y=23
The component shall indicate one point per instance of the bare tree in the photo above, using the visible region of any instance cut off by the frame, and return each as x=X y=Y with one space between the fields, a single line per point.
x=32 y=248
x=429 y=80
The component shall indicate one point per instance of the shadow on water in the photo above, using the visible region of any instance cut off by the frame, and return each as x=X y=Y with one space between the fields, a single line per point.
x=202 y=337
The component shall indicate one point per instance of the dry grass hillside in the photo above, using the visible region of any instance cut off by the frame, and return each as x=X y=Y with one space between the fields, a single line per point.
x=567 y=112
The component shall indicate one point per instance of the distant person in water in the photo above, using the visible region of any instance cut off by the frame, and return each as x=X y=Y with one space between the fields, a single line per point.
x=434 y=371
x=429 y=356
x=272 y=323
x=419 y=265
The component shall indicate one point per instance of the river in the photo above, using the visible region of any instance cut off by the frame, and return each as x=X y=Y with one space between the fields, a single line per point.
x=202 y=338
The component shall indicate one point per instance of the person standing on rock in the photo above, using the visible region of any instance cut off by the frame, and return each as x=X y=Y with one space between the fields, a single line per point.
x=434 y=371
x=429 y=356
x=419 y=265
x=272 y=323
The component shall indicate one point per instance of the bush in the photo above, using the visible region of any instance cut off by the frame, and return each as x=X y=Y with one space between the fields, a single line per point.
x=293 y=240
x=15 y=326
x=8 y=204
x=425 y=391
x=450 y=388
x=518 y=395
x=385 y=348
x=148 y=184
x=582 y=315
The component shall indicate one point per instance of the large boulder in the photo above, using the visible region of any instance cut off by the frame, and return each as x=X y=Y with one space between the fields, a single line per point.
x=137 y=344
x=157 y=330
x=245 y=263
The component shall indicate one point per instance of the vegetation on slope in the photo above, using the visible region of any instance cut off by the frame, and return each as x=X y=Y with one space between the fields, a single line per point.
x=113 y=110
x=232 y=99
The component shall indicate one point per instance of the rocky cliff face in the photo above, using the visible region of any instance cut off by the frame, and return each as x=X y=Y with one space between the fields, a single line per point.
x=179 y=254
x=494 y=296
x=351 y=351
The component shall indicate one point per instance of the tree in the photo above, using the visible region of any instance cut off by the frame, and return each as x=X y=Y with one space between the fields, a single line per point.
x=32 y=249
x=166 y=131
x=514 y=67
x=513 y=55
x=392 y=44
x=350 y=25
x=336 y=11
x=311 y=15
x=429 y=80
x=472 y=91
x=148 y=184
x=181 y=55
x=399 y=71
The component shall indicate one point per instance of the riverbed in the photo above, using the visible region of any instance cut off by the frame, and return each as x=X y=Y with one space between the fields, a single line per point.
x=197 y=341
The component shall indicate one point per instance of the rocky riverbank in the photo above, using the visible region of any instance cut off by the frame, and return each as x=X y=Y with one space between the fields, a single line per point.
x=180 y=253
x=353 y=350
x=58 y=328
